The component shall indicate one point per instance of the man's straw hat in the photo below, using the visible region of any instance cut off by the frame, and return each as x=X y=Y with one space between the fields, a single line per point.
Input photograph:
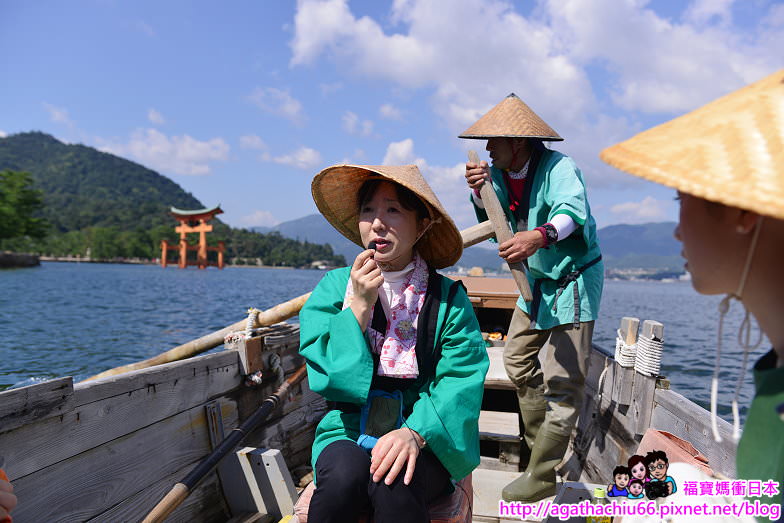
x=336 y=192
x=730 y=151
x=511 y=118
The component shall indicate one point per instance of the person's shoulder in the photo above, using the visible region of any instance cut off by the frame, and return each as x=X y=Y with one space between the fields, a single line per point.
x=557 y=160
x=335 y=277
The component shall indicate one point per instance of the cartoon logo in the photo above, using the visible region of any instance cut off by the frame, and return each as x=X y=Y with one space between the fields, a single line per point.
x=643 y=477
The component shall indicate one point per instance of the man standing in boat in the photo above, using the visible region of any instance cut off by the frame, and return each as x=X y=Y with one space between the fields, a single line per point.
x=545 y=201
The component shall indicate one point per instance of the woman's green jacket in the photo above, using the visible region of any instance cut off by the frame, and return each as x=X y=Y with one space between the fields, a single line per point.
x=443 y=408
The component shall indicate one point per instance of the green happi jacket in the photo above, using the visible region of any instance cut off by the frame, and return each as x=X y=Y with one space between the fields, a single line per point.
x=556 y=187
x=760 y=453
x=443 y=408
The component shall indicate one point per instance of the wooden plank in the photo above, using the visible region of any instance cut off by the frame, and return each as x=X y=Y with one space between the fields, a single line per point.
x=622 y=388
x=687 y=420
x=487 y=492
x=644 y=387
x=496 y=377
x=97 y=390
x=85 y=485
x=499 y=426
x=40 y=401
x=204 y=503
x=127 y=403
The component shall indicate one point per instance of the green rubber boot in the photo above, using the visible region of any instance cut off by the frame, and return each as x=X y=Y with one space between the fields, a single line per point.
x=538 y=480
x=532 y=408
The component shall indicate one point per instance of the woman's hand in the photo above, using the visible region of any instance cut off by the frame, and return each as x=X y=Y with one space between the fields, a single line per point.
x=394 y=450
x=476 y=174
x=366 y=278
x=7 y=500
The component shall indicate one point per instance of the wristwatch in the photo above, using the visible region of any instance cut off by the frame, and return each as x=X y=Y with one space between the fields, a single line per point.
x=551 y=233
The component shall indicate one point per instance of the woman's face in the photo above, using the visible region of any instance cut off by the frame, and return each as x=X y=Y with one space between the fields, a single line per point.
x=395 y=229
x=713 y=249
x=638 y=471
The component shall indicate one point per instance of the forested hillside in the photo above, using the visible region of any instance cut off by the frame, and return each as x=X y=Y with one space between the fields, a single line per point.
x=120 y=209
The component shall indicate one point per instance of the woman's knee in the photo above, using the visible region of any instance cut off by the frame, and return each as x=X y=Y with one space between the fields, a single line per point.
x=343 y=467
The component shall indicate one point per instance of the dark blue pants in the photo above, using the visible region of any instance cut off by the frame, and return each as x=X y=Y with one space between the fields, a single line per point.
x=345 y=488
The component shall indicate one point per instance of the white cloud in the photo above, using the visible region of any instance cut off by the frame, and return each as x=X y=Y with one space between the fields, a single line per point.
x=251 y=141
x=448 y=182
x=390 y=112
x=279 y=102
x=175 y=154
x=576 y=63
x=145 y=28
x=58 y=114
x=3 y=134
x=327 y=89
x=647 y=210
x=303 y=158
x=259 y=219
x=155 y=117
x=401 y=153
x=352 y=124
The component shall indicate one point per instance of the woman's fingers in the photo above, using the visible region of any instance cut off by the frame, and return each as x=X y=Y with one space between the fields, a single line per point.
x=410 y=466
x=397 y=465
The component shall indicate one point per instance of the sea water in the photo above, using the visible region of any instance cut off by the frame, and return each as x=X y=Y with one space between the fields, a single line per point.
x=72 y=319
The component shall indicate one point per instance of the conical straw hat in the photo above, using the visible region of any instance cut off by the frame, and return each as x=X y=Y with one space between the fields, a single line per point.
x=336 y=192
x=511 y=118
x=729 y=151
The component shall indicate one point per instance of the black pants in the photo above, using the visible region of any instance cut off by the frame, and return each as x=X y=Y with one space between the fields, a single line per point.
x=346 y=488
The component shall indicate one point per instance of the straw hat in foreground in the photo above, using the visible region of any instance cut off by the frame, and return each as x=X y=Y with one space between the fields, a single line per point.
x=511 y=118
x=729 y=151
x=336 y=190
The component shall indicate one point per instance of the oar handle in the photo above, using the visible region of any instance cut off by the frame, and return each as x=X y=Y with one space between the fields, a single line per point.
x=502 y=231
x=180 y=491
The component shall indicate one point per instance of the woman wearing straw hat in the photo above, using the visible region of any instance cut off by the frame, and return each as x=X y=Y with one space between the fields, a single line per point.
x=544 y=198
x=395 y=349
x=726 y=160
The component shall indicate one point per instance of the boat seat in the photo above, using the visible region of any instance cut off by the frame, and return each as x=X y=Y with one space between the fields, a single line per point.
x=452 y=508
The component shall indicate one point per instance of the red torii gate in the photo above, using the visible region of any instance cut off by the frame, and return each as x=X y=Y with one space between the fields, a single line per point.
x=192 y=222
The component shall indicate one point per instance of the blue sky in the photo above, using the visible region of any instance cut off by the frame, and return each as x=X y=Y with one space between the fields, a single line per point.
x=241 y=103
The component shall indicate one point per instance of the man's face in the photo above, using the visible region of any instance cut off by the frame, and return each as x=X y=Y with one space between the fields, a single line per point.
x=621 y=480
x=658 y=469
x=502 y=151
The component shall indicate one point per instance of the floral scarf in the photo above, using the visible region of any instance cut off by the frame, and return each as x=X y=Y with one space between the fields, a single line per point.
x=396 y=347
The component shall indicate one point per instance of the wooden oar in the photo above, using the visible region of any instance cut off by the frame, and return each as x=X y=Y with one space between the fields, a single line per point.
x=180 y=491
x=501 y=228
x=276 y=314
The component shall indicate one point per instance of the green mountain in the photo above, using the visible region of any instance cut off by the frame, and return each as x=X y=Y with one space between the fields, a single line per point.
x=113 y=208
x=84 y=187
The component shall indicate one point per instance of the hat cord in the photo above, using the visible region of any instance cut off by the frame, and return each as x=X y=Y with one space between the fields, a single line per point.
x=744 y=340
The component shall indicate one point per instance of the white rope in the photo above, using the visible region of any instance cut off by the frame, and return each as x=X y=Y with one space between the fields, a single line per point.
x=744 y=340
x=649 y=353
x=253 y=313
x=624 y=354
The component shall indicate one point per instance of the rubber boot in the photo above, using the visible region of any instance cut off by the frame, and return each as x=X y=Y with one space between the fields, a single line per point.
x=538 y=480
x=532 y=408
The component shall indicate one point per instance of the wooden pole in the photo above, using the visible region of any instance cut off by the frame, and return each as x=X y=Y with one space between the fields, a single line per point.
x=180 y=491
x=502 y=231
x=276 y=314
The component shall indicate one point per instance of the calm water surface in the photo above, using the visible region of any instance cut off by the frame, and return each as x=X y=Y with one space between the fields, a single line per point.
x=69 y=319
